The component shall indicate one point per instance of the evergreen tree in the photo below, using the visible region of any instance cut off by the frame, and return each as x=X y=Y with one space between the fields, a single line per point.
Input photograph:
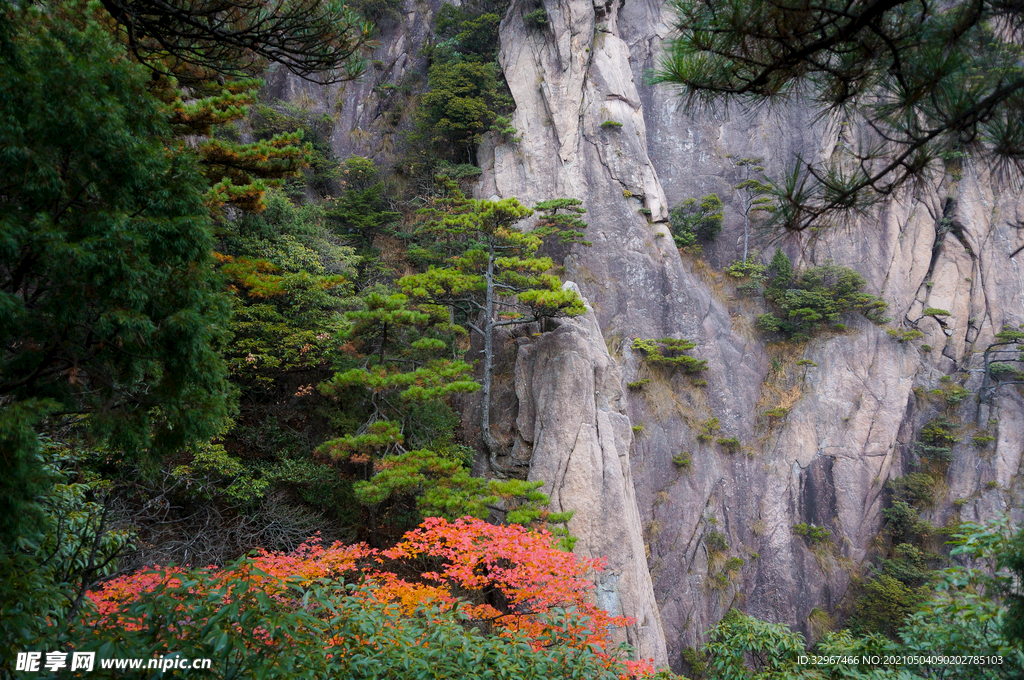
x=495 y=278
x=753 y=195
x=109 y=309
x=398 y=393
x=239 y=173
x=314 y=39
x=919 y=82
x=690 y=220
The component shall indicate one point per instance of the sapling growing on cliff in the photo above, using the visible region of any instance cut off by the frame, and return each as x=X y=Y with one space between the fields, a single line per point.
x=754 y=195
x=493 y=276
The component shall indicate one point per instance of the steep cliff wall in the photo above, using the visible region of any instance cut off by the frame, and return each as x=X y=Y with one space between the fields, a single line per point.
x=850 y=417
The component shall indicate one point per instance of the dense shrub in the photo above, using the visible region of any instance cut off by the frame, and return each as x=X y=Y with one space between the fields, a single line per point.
x=692 y=221
x=816 y=299
x=463 y=600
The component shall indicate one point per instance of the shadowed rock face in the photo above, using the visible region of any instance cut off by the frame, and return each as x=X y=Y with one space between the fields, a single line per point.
x=852 y=416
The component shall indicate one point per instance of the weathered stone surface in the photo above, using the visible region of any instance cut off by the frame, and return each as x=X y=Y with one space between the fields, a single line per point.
x=570 y=415
x=854 y=416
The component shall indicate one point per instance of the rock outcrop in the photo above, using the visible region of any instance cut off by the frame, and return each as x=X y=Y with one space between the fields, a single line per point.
x=571 y=419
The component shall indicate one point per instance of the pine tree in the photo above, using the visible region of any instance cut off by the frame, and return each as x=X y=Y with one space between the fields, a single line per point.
x=314 y=39
x=402 y=371
x=753 y=194
x=239 y=173
x=495 y=278
x=920 y=84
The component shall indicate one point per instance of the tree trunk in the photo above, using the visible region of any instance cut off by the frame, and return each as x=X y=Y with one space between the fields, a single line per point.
x=746 y=230
x=490 y=443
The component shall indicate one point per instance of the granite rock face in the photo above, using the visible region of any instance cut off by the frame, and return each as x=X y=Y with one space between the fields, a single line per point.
x=850 y=416
x=590 y=127
x=570 y=417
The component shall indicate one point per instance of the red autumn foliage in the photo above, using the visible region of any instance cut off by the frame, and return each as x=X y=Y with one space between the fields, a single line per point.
x=506 y=577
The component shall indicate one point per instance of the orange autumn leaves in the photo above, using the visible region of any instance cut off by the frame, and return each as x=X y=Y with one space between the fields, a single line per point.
x=506 y=578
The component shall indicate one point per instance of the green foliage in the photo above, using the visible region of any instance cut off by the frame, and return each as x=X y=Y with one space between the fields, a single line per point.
x=536 y=18
x=289 y=278
x=951 y=392
x=716 y=542
x=239 y=173
x=394 y=394
x=1010 y=334
x=669 y=352
x=362 y=208
x=1010 y=556
x=780 y=271
x=611 y=125
x=488 y=247
x=697 y=662
x=467 y=32
x=904 y=525
x=466 y=91
x=936 y=440
x=441 y=486
x=983 y=439
x=932 y=311
x=740 y=647
x=45 y=573
x=638 y=385
x=1000 y=370
x=692 y=221
x=321 y=629
x=730 y=444
x=560 y=219
x=747 y=269
x=965 y=614
x=884 y=606
x=817 y=298
x=908 y=565
x=502 y=125
x=902 y=335
x=491 y=269
x=916 y=488
x=708 y=429
x=213 y=472
x=108 y=304
x=462 y=102
x=814 y=534
x=682 y=460
x=971 y=610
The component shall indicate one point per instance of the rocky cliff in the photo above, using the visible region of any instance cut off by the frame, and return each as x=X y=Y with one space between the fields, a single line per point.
x=822 y=425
